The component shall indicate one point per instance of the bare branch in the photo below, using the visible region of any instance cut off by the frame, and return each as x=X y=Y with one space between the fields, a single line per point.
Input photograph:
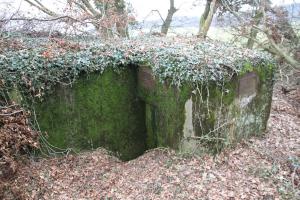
x=162 y=19
x=271 y=45
x=90 y=8
x=82 y=7
x=282 y=52
x=40 y=6
x=9 y=114
x=42 y=20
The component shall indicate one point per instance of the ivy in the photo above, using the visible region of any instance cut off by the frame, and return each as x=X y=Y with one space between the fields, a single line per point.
x=40 y=66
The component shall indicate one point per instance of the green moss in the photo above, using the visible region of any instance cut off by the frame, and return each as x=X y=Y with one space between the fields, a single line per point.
x=261 y=105
x=165 y=113
x=4 y=96
x=247 y=67
x=264 y=71
x=15 y=95
x=152 y=141
x=126 y=115
x=98 y=110
x=224 y=110
x=266 y=76
x=211 y=104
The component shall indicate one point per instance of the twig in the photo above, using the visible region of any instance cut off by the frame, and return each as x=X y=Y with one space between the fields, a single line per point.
x=10 y=106
x=13 y=113
x=206 y=137
x=42 y=20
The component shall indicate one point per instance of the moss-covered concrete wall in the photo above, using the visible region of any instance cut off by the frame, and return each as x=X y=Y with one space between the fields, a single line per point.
x=164 y=111
x=207 y=116
x=97 y=110
x=223 y=115
x=194 y=95
x=130 y=110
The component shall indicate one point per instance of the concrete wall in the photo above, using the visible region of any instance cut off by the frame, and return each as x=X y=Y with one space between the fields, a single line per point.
x=206 y=116
x=130 y=111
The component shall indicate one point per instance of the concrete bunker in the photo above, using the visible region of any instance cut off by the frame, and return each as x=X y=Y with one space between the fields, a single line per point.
x=130 y=111
x=135 y=105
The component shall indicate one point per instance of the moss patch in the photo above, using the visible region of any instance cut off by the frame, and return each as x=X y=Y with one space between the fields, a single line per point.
x=128 y=110
x=98 y=110
x=165 y=114
x=219 y=117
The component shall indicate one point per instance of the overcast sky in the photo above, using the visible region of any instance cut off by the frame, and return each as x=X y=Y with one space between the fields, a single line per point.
x=142 y=7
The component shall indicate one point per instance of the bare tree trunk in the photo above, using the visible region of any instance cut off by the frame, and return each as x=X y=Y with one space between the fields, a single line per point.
x=207 y=17
x=167 y=22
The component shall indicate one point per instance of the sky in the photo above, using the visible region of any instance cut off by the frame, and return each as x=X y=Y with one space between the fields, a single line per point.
x=142 y=8
x=186 y=8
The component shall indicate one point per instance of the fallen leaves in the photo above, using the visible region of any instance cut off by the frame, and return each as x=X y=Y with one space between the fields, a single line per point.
x=15 y=137
x=261 y=168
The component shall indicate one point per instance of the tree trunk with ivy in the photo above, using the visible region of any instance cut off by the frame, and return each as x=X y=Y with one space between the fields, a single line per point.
x=207 y=17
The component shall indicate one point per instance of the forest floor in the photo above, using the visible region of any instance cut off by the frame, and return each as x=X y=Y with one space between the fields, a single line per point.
x=261 y=168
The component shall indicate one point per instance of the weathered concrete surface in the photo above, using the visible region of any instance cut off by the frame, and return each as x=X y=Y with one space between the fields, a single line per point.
x=131 y=110
x=97 y=110
x=205 y=117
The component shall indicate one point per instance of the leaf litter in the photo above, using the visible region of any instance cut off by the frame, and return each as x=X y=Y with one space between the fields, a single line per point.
x=260 y=168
